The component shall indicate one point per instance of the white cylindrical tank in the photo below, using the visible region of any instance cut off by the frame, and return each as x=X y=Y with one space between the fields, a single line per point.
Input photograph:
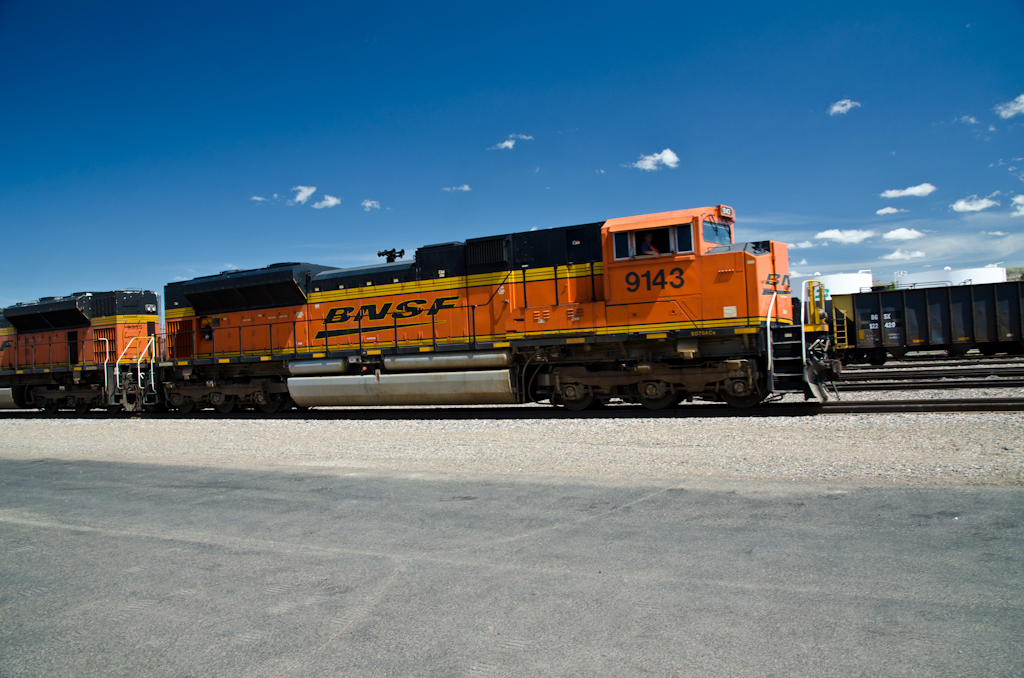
x=962 y=276
x=835 y=283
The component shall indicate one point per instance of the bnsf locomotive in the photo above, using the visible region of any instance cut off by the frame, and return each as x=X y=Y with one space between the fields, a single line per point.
x=654 y=309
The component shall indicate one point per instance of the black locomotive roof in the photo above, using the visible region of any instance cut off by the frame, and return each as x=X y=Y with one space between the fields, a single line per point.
x=78 y=309
x=376 y=274
x=289 y=284
x=284 y=284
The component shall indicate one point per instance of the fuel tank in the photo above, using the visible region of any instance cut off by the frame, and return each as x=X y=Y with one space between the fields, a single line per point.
x=7 y=401
x=481 y=387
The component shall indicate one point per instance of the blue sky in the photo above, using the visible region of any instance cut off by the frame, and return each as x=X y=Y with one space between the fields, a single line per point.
x=134 y=137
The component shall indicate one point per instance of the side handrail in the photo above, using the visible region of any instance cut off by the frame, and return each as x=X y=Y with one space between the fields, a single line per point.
x=804 y=290
x=138 y=363
x=106 y=359
x=117 y=372
x=768 y=328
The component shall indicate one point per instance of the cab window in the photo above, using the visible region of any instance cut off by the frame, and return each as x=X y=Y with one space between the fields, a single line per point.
x=622 y=246
x=653 y=242
x=717 y=234
x=684 y=238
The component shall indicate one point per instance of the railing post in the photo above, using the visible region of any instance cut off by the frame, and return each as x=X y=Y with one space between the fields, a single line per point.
x=473 y=325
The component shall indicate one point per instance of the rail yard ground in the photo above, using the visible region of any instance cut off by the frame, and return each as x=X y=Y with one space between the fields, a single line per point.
x=965 y=448
x=831 y=545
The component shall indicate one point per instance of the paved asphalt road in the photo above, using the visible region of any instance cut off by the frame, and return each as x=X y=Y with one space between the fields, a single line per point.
x=112 y=569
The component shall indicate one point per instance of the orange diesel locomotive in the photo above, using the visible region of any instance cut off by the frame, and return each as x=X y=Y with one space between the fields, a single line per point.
x=653 y=309
x=76 y=352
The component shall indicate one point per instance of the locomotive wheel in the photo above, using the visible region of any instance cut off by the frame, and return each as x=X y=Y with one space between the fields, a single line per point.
x=665 y=401
x=579 y=404
x=229 y=406
x=82 y=407
x=187 y=407
x=742 y=401
x=272 y=406
x=50 y=408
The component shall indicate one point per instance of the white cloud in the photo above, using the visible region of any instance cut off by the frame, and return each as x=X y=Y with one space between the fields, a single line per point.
x=303 y=193
x=903 y=234
x=511 y=141
x=900 y=255
x=600 y=171
x=920 y=191
x=972 y=204
x=258 y=198
x=1010 y=108
x=998 y=233
x=803 y=245
x=1018 y=206
x=889 y=210
x=650 y=163
x=968 y=120
x=328 y=201
x=802 y=262
x=845 y=237
x=463 y=187
x=370 y=205
x=842 y=107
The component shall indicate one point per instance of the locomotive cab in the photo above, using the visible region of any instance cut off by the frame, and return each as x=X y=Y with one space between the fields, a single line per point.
x=684 y=267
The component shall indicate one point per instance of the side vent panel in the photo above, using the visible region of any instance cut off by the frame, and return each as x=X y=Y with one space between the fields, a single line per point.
x=487 y=252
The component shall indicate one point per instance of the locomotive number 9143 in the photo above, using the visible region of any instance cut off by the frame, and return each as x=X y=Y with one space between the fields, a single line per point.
x=655 y=279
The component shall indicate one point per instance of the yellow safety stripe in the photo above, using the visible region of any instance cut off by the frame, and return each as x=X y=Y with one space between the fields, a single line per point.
x=172 y=313
x=456 y=283
x=124 y=319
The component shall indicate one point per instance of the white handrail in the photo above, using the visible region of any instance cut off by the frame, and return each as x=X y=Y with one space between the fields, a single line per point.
x=768 y=327
x=106 y=359
x=804 y=287
x=117 y=372
x=138 y=363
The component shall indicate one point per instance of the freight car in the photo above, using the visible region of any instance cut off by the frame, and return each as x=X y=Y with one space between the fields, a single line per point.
x=654 y=309
x=871 y=326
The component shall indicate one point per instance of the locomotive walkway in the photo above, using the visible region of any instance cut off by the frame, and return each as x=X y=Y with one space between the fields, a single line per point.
x=154 y=570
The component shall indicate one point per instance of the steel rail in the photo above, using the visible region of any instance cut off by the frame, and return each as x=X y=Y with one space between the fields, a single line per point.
x=543 y=411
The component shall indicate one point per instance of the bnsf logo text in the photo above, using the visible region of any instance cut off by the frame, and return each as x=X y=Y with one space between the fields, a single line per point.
x=402 y=310
x=405 y=309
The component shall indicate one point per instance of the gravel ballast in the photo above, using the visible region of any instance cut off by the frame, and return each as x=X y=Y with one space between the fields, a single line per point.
x=901 y=448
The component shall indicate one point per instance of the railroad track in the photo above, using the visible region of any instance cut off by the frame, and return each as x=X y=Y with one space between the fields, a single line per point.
x=615 y=411
x=951 y=374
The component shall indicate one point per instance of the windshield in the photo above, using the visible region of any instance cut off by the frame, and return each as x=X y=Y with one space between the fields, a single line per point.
x=717 y=234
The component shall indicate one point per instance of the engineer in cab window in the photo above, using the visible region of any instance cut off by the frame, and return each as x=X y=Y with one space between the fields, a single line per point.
x=647 y=247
